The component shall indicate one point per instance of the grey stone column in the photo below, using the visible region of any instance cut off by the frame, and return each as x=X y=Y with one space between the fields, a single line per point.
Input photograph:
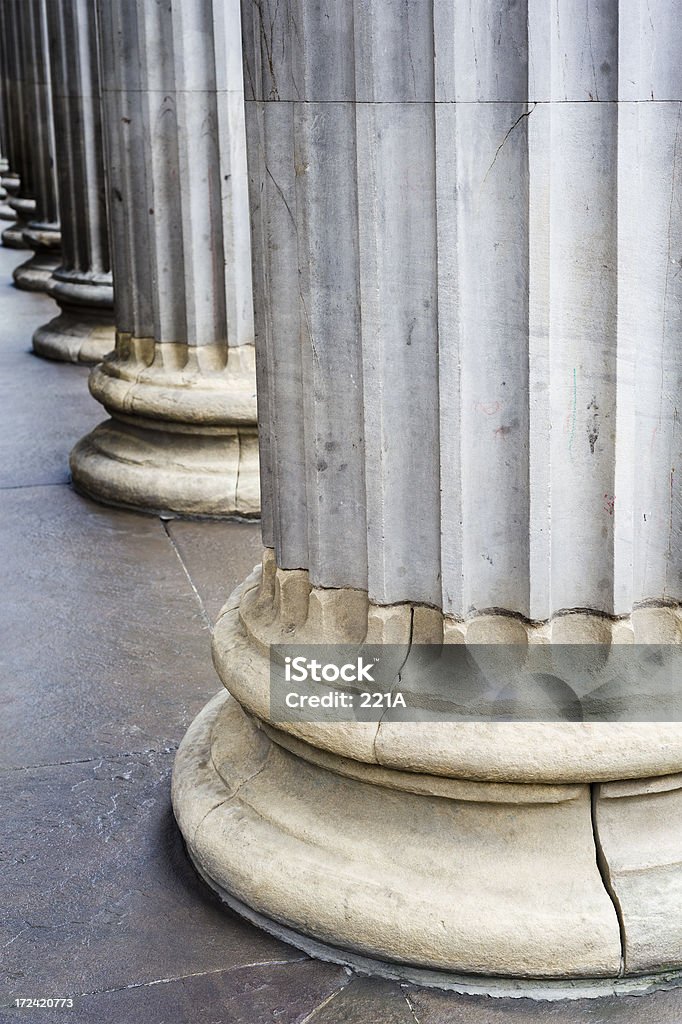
x=42 y=231
x=22 y=204
x=6 y=212
x=467 y=221
x=180 y=387
x=82 y=285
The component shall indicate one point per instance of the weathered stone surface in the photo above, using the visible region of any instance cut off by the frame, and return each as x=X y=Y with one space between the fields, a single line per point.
x=639 y=831
x=462 y=886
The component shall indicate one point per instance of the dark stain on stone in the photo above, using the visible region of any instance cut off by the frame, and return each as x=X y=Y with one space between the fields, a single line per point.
x=593 y=423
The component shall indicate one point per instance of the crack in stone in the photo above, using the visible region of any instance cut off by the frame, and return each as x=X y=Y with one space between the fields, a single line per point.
x=605 y=872
x=310 y=1018
x=202 y=607
x=518 y=121
x=197 y=974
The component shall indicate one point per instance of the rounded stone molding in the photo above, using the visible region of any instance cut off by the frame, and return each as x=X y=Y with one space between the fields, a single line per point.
x=182 y=438
x=169 y=469
x=203 y=386
x=45 y=241
x=75 y=336
x=83 y=332
x=13 y=236
x=280 y=606
x=533 y=864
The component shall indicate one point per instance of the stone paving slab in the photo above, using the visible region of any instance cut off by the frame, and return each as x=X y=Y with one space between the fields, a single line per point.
x=45 y=406
x=97 y=891
x=217 y=556
x=109 y=649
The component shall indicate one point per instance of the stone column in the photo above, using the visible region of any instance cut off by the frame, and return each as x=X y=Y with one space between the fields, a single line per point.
x=21 y=203
x=82 y=285
x=467 y=222
x=180 y=387
x=42 y=231
x=6 y=212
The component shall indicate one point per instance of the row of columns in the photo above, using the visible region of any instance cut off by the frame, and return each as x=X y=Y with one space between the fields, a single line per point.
x=464 y=229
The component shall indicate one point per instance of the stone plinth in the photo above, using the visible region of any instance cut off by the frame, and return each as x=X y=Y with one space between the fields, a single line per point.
x=180 y=386
x=82 y=285
x=466 y=322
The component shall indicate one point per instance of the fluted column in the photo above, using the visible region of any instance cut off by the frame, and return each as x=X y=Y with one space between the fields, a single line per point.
x=22 y=204
x=82 y=284
x=6 y=212
x=180 y=387
x=42 y=231
x=466 y=231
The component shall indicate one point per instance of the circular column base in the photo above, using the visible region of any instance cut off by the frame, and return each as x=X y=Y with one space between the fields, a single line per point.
x=169 y=469
x=34 y=275
x=6 y=212
x=497 y=896
x=76 y=335
x=339 y=834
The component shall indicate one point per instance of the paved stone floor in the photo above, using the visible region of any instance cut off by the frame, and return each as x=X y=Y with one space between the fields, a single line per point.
x=105 y=661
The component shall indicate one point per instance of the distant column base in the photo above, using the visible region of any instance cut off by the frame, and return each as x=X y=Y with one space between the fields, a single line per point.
x=169 y=469
x=84 y=330
x=35 y=274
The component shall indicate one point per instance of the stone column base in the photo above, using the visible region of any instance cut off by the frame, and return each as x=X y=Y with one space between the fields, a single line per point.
x=169 y=469
x=84 y=331
x=13 y=236
x=75 y=336
x=35 y=274
x=337 y=836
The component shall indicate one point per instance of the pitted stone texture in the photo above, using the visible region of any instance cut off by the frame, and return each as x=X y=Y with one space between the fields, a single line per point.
x=456 y=885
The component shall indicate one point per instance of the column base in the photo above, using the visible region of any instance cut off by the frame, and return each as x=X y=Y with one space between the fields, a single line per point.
x=13 y=236
x=169 y=469
x=75 y=336
x=34 y=275
x=84 y=331
x=527 y=876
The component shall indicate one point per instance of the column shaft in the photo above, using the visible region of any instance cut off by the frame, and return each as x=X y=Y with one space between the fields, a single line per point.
x=42 y=232
x=82 y=284
x=14 y=94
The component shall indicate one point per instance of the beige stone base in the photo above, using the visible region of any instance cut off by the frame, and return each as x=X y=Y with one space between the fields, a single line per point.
x=515 y=850
x=508 y=886
x=168 y=469
x=76 y=336
x=34 y=275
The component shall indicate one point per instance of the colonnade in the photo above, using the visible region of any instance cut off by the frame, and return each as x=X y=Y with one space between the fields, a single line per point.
x=444 y=240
